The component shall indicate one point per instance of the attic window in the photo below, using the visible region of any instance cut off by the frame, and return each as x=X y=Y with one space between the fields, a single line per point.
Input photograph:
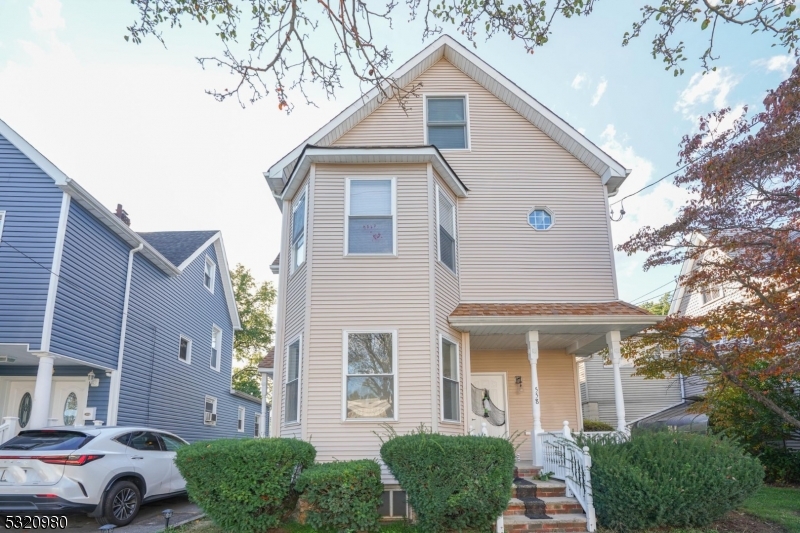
x=540 y=218
x=209 y=274
x=447 y=122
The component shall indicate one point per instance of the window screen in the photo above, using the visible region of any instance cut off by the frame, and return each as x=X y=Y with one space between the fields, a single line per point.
x=299 y=233
x=447 y=123
x=370 y=375
x=447 y=232
x=293 y=382
x=450 y=385
x=370 y=224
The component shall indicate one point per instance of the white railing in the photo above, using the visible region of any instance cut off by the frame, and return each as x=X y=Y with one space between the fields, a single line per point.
x=571 y=464
x=615 y=436
x=9 y=428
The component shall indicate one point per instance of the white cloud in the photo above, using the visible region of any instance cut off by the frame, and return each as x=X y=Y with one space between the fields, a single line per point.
x=783 y=63
x=598 y=93
x=580 y=79
x=712 y=87
x=46 y=15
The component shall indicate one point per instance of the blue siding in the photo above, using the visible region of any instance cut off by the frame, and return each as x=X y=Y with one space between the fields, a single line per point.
x=91 y=291
x=98 y=396
x=32 y=203
x=157 y=388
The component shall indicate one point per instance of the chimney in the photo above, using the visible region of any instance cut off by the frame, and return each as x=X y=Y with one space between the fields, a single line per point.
x=122 y=215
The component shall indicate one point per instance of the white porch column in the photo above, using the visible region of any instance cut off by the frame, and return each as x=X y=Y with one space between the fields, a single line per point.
x=40 y=409
x=613 y=340
x=532 y=338
x=262 y=429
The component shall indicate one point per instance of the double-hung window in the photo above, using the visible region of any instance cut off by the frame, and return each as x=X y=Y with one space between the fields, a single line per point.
x=298 y=233
x=216 y=346
x=447 y=230
x=210 y=418
x=240 y=420
x=370 y=216
x=257 y=426
x=209 y=275
x=2 y=221
x=185 y=350
x=292 y=409
x=447 y=122
x=370 y=375
x=451 y=394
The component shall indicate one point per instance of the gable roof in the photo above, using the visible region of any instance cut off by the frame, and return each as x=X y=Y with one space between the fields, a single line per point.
x=122 y=230
x=610 y=171
x=177 y=246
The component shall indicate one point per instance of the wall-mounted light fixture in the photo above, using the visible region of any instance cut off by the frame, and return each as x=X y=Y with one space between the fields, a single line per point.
x=93 y=381
x=518 y=381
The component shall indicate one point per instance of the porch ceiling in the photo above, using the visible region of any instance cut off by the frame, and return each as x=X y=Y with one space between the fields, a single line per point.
x=19 y=355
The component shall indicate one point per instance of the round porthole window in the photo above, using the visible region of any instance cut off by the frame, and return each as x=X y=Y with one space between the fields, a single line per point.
x=24 y=412
x=540 y=218
x=70 y=409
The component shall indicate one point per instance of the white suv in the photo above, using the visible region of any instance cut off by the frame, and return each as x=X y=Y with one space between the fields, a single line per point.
x=107 y=472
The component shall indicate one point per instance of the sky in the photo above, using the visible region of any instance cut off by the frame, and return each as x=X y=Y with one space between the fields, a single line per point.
x=134 y=125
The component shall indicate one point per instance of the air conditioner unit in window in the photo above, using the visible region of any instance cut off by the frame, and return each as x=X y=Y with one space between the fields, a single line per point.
x=211 y=418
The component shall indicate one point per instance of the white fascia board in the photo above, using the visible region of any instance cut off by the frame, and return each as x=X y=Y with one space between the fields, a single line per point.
x=202 y=248
x=555 y=320
x=33 y=154
x=262 y=370
x=116 y=225
x=380 y=155
x=227 y=283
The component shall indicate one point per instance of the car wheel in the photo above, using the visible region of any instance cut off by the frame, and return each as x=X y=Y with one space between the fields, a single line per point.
x=121 y=504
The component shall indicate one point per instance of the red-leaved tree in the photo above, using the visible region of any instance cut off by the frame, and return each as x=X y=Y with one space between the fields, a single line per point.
x=741 y=230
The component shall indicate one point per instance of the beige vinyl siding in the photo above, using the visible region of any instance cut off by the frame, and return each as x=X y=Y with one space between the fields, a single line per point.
x=294 y=325
x=368 y=293
x=511 y=167
x=642 y=396
x=556 y=387
x=446 y=300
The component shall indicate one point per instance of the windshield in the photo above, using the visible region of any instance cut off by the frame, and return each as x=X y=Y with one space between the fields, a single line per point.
x=47 y=440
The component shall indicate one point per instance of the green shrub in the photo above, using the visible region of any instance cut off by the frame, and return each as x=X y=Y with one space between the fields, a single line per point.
x=781 y=465
x=342 y=496
x=245 y=485
x=596 y=425
x=452 y=482
x=665 y=479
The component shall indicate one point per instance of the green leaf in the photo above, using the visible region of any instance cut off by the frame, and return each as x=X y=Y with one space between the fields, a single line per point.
x=705 y=24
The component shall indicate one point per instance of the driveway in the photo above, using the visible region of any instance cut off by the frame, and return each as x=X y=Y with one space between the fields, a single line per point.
x=149 y=520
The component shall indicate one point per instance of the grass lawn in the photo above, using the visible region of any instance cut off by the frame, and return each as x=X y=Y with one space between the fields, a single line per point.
x=776 y=504
x=205 y=525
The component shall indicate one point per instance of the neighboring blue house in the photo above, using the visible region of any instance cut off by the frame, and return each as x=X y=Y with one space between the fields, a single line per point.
x=99 y=323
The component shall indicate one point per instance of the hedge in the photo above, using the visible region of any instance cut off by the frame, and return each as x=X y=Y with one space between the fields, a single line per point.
x=245 y=485
x=342 y=496
x=666 y=479
x=452 y=482
x=596 y=425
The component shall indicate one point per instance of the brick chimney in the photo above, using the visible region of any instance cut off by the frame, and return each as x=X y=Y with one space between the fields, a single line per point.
x=122 y=215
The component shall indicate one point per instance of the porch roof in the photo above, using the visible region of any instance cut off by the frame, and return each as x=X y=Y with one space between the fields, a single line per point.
x=577 y=327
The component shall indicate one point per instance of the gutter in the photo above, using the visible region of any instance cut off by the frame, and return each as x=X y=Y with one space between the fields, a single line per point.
x=116 y=375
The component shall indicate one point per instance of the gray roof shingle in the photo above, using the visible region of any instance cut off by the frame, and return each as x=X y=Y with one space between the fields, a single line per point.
x=177 y=246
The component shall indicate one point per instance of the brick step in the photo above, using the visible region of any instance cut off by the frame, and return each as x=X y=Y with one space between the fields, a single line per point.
x=559 y=523
x=526 y=471
x=552 y=505
x=544 y=489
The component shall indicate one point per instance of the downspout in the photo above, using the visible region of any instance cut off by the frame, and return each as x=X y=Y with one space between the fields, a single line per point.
x=116 y=375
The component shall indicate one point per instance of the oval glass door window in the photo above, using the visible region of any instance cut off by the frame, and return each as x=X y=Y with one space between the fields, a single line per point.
x=24 y=412
x=70 y=409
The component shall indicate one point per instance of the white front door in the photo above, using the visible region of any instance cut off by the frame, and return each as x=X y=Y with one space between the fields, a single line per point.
x=69 y=397
x=495 y=385
x=20 y=401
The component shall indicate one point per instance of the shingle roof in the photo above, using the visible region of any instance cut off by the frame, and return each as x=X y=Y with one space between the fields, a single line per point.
x=269 y=360
x=547 y=309
x=177 y=246
x=277 y=260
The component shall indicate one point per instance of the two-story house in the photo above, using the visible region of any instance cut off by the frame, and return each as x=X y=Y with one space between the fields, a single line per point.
x=100 y=324
x=443 y=263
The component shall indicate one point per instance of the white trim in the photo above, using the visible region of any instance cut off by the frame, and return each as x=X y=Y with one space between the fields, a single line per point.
x=227 y=284
x=305 y=372
x=465 y=96
x=188 y=360
x=216 y=335
x=546 y=210
x=611 y=247
x=258 y=426
x=213 y=275
x=442 y=338
x=2 y=223
x=395 y=372
x=241 y=418
x=116 y=375
x=293 y=267
x=371 y=155
x=430 y=190
x=467 y=391
x=393 y=187
x=454 y=270
x=545 y=320
x=200 y=250
x=276 y=414
x=213 y=410
x=299 y=339
x=55 y=272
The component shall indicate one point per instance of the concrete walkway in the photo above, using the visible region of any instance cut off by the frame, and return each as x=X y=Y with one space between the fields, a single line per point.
x=149 y=520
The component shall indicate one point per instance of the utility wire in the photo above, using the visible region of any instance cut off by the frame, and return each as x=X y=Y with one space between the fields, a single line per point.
x=638 y=298
x=45 y=267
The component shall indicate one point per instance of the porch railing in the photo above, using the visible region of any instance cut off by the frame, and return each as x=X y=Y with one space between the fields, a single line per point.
x=8 y=429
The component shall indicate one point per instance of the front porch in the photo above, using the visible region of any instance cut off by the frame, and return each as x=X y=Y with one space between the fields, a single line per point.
x=524 y=357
